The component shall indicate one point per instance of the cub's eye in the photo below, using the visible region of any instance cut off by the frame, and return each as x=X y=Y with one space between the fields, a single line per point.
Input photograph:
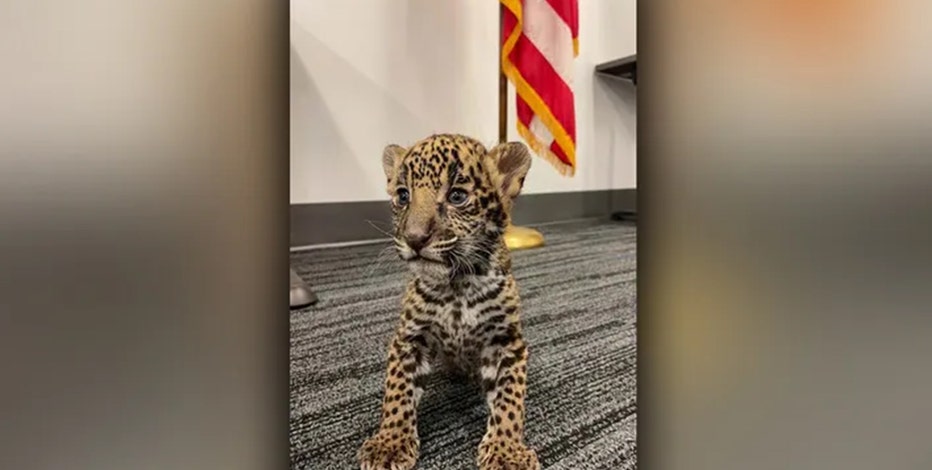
x=457 y=197
x=404 y=197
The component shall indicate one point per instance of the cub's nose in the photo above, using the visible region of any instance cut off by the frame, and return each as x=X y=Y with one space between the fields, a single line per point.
x=417 y=240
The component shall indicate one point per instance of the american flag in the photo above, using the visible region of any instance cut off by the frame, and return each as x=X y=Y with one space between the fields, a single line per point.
x=539 y=43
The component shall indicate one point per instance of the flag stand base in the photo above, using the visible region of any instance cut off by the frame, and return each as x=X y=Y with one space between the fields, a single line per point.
x=519 y=238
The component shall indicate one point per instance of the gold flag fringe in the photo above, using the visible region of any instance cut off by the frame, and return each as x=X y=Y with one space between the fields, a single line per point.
x=543 y=152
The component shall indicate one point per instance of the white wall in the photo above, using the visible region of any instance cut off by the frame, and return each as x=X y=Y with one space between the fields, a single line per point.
x=365 y=73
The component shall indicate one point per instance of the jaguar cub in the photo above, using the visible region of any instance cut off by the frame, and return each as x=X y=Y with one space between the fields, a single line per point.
x=451 y=200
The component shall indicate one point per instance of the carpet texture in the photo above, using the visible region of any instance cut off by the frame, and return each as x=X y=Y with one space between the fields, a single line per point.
x=579 y=313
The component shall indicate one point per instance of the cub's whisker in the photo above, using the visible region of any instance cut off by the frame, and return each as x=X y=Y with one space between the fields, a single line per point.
x=379 y=261
x=445 y=245
x=379 y=229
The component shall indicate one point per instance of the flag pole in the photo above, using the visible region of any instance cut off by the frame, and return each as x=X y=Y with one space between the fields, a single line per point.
x=516 y=238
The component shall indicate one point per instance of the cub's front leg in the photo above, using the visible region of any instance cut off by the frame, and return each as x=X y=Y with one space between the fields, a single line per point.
x=395 y=445
x=504 y=379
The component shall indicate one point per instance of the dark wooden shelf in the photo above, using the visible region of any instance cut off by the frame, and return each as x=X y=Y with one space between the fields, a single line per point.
x=625 y=68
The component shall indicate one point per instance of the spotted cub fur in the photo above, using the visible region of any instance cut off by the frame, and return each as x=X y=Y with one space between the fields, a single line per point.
x=451 y=200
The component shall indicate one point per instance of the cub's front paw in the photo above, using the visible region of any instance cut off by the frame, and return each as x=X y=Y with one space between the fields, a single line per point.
x=388 y=451
x=500 y=454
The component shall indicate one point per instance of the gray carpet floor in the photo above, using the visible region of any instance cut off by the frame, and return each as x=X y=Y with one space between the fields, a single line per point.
x=580 y=318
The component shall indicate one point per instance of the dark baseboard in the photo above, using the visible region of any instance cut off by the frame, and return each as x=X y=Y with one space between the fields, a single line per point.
x=313 y=224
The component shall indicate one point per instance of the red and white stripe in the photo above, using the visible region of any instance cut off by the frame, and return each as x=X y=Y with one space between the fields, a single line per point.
x=539 y=45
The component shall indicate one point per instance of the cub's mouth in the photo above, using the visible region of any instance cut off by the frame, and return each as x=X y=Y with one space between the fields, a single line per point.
x=424 y=259
x=433 y=253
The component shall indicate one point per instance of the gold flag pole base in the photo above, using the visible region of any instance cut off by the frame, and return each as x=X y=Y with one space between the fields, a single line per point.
x=519 y=238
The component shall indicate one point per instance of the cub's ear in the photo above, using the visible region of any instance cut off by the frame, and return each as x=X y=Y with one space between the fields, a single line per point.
x=391 y=156
x=510 y=163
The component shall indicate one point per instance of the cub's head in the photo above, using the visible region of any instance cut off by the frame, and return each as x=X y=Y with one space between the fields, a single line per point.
x=451 y=201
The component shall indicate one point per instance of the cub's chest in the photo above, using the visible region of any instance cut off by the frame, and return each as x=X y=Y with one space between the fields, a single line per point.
x=457 y=319
x=456 y=323
x=459 y=328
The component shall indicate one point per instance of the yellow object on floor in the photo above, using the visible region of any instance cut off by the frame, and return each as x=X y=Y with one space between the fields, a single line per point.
x=519 y=238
